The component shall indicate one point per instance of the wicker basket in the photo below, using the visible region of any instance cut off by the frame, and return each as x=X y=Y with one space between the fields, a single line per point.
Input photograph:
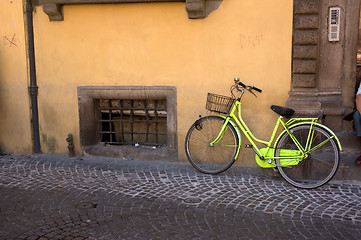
x=219 y=103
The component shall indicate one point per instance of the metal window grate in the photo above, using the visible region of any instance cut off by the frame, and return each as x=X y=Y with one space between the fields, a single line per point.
x=132 y=122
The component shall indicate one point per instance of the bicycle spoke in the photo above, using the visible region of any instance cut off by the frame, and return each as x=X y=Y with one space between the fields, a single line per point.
x=322 y=161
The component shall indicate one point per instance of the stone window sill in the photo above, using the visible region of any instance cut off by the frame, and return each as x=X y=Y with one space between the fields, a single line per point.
x=197 y=9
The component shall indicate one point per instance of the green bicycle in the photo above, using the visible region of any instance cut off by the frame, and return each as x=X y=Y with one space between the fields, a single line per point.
x=306 y=153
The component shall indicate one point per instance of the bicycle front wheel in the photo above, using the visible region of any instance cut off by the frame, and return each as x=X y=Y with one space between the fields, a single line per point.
x=204 y=157
x=320 y=163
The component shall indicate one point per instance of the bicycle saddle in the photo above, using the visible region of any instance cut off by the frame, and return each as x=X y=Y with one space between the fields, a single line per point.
x=283 y=111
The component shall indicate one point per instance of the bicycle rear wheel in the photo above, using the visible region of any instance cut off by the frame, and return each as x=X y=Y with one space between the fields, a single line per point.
x=319 y=166
x=204 y=157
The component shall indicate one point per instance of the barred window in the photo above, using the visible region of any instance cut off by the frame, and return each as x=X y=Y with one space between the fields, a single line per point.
x=133 y=122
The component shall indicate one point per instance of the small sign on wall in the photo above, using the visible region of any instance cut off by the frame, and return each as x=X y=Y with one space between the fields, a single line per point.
x=334 y=24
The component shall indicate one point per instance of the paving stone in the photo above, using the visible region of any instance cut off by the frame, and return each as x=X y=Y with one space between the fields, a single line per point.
x=55 y=197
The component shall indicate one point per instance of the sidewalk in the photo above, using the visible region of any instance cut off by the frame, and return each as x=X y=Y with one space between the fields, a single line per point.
x=348 y=170
x=54 y=197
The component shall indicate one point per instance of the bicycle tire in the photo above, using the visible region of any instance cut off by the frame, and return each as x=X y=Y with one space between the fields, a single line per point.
x=318 y=167
x=211 y=159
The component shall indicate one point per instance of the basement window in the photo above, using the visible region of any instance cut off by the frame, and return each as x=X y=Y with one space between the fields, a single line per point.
x=131 y=122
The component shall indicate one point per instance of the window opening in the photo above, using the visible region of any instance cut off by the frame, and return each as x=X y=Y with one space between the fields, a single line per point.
x=132 y=122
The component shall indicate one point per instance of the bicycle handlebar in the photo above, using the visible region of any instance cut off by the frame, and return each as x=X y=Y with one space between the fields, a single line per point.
x=247 y=87
x=257 y=89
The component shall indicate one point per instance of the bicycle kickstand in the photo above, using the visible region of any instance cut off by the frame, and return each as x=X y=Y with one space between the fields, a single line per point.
x=270 y=162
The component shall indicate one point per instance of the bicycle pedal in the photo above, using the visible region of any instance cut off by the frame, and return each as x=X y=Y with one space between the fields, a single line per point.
x=248 y=146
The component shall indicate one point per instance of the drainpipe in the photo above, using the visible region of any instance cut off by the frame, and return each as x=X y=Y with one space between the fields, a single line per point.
x=33 y=88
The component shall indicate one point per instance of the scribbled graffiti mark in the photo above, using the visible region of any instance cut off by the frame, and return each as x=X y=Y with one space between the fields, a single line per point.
x=251 y=41
x=10 y=40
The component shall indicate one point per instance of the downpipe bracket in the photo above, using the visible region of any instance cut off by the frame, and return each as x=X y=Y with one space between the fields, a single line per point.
x=33 y=90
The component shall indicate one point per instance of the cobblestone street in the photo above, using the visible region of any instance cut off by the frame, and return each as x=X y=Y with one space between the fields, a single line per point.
x=55 y=197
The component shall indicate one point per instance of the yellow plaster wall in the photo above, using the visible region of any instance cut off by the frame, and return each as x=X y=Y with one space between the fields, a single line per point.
x=156 y=44
x=15 y=130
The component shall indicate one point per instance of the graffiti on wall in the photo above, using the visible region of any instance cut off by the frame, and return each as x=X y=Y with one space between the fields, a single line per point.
x=251 y=40
x=10 y=40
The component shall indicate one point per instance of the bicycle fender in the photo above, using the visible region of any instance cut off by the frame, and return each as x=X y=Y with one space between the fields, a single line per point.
x=234 y=125
x=316 y=124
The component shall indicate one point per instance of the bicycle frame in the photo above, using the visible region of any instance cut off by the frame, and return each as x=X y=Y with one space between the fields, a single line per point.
x=304 y=151
x=268 y=152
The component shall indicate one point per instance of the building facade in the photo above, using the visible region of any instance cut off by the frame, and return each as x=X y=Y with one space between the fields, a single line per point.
x=128 y=78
